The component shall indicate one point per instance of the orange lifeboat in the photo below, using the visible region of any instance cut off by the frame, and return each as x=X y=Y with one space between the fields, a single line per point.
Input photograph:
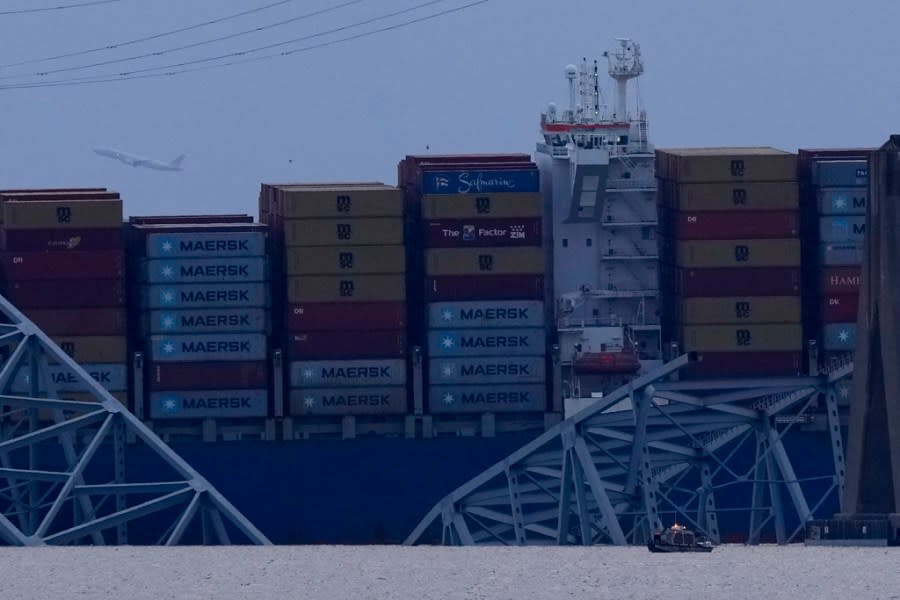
x=602 y=363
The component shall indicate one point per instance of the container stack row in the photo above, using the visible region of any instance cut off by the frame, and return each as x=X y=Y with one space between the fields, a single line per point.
x=204 y=317
x=731 y=259
x=484 y=326
x=343 y=267
x=63 y=266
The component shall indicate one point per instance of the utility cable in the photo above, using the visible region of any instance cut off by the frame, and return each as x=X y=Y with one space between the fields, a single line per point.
x=23 y=11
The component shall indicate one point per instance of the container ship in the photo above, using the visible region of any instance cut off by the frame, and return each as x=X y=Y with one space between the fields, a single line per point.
x=338 y=363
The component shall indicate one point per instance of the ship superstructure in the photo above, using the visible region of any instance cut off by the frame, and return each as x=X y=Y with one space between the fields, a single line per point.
x=599 y=186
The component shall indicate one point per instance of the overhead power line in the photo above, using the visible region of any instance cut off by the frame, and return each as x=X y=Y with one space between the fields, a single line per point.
x=127 y=77
x=23 y=11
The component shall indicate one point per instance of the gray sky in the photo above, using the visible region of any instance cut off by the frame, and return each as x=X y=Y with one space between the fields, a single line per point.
x=790 y=73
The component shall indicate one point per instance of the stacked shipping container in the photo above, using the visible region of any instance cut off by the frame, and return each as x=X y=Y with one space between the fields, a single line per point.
x=341 y=247
x=63 y=267
x=730 y=248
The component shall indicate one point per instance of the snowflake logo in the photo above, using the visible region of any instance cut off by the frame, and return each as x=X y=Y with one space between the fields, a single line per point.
x=844 y=391
x=447 y=371
x=170 y=405
x=449 y=398
x=308 y=373
x=309 y=402
x=168 y=272
x=447 y=342
x=840 y=202
x=168 y=347
x=167 y=296
x=168 y=321
x=447 y=315
x=167 y=246
x=844 y=335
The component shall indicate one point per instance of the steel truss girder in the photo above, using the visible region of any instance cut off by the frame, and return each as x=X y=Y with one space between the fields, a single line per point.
x=63 y=463
x=614 y=477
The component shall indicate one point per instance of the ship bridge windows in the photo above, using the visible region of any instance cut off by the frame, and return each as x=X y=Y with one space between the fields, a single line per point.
x=622 y=140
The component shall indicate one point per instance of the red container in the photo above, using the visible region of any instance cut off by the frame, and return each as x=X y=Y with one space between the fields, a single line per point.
x=40 y=240
x=27 y=266
x=484 y=287
x=840 y=308
x=79 y=322
x=744 y=364
x=207 y=375
x=334 y=345
x=480 y=233
x=59 y=293
x=841 y=280
x=729 y=225
x=347 y=316
x=719 y=282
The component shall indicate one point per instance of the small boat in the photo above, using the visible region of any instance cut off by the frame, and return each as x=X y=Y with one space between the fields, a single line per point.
x=678 y=538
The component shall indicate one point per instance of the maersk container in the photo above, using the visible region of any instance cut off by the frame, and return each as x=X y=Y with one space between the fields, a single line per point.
x=26 y=266
x=346 y=345
x=495 y=287
x=61 y=240
x=486 y=398
x=206 y=295
x=209 y=404
x=206 y=270
x=840 y=255
x=839 y=336
x=224 y=375
x=66 y=293
x=711 y=365
x=210 y=347
x=462 y=233
x=843 y=201
x=483 y=371
x=840 y=308
x=356 y=316
x=453 y=315
x=347 y=373
x=484 y=261
x=487 y=342
x=841 y=280
x=842 y=230
x=480 y=181
x=202 y=244
x=113 y=377
x=214 y=320
x=841 y=173
x=349 y=401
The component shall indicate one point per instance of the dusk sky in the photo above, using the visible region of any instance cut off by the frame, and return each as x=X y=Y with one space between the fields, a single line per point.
x=790 y=74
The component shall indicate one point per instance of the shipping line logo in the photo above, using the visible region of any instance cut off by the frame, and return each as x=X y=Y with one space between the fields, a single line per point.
x=468 y=398
x=170 y=348
x=333 y=400
x=168 y=296
x=172 y=404
x=449 y=342
x=69 y=243
x=168 y=271
x=167 y=245
x=477 y=182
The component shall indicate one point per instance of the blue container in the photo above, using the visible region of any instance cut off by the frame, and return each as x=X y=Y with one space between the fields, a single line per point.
x=206 y=270
x=207 y=295
x=480 y=182
x=213 y=347
x=201 y=244
x=216 y=320
x=498 y=313
x=486 y=398
x=843 y=201
x=841 y=255
x=342 y=373
x=842 y=230
x=839 y=336
x=841 y=173
x=112 y=376
x=487 y=342
x=482 y=371
x=209 y=404
x=349 y=401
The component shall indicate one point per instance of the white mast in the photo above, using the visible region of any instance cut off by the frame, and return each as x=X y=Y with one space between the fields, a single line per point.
x=624 y=65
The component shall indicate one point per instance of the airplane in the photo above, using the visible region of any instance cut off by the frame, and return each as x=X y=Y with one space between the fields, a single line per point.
x=137 y=161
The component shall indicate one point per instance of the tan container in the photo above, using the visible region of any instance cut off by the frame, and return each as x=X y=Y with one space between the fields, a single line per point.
x=696 y=165
x=769 y=195
x=329 y=260
x=343 y=232
x=339 y=201
x=739 y=253
x=61 y=214
x=356 y=288
x=742 y=338
x=94 y=349
x=748 y=309
x=484 y=261
x=485 y=206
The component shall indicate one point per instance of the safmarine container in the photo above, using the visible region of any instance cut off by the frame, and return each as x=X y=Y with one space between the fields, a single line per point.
x=205 y=244
x=332 y=260
x=482 y=371
x=208 y=347
x=343 y=232
x=347 y=373
x=748 y=196
x=206 y=296
x=719 y=282
x=454 y=315
x=207 y=375
x=63 y=214
x=734 y=225
x=461 y=233
x=839 y=336
x=112 y=376
x=479 y=181
x=328 y=345
x=29 y=266
x=840 y=308
x=484 y=261
x=339 y=200
x=61 y=240
x=841 y=280
x=79 y=321
x=701 y=165
x=495 y=287
x=836 y=255
x=349 y=401
x=205 y=270
x=742 y=309
x=346 y=288
x=209 y=404
x=739 y=253
x=486 y=398
x=841 y=173
x=359 y=316
x=482 y=206
x=213 y=320
x=93 y=348
x=487 y=342
x=66 y=293
x=742 y=338
x=710 y=365
x=844 y=229
x=843 y=201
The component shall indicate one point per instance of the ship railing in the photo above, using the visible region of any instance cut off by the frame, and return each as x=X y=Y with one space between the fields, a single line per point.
x=630 y=184
x=836 y=363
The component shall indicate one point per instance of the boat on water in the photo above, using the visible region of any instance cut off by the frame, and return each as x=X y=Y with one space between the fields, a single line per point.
x=678 y=538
